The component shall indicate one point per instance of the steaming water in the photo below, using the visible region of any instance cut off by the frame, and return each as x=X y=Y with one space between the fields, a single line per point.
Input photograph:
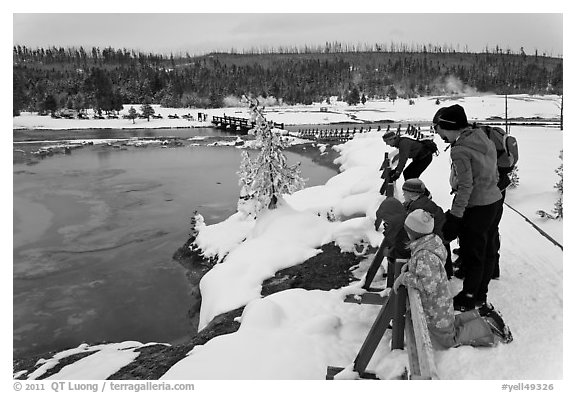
x=94 y=233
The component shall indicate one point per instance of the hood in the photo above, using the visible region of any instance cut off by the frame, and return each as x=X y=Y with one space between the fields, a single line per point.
x=392 y=211
x=430 y=242
x=472 y=138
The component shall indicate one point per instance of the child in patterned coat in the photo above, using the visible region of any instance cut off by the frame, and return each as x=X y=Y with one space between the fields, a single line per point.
x=425 y=272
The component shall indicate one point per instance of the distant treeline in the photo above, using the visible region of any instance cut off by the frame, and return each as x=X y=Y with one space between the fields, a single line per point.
x=48 y=79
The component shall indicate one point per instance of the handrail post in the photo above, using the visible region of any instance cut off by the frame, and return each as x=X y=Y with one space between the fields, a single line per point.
x=399 y=309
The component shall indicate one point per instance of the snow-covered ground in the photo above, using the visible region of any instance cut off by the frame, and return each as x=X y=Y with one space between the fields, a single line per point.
x=478 y=108
x=296 y=334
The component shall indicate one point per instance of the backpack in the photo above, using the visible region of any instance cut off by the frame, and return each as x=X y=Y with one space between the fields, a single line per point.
x=430 y=145
x=506 y=147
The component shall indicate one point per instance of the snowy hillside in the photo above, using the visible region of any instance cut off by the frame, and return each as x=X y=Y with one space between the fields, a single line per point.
x=296 y=334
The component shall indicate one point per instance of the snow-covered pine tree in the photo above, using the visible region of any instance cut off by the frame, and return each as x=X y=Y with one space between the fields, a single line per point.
x=514 y=177
x=266 y=178
x=558 y=211
x=558 y=206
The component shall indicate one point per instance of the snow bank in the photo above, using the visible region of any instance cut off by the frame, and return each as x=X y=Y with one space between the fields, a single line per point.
x=297 y=333
x=279 y=330
x=280 y=238
x=102 y=361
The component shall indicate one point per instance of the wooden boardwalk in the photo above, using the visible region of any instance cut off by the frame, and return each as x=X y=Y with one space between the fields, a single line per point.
x=238 y=125
x=344 y=134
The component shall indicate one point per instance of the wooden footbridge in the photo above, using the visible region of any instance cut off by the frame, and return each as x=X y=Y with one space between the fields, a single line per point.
x=238 y=125
x=345 y=134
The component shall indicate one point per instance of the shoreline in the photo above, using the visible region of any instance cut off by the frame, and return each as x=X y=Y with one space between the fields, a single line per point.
x=311 y=151
x=516 y=121
x=524 y=109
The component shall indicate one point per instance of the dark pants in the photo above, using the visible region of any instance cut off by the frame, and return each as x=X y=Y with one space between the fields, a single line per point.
x=479 y=247
x=417 y=166
x=448 y=265
x=496 y=272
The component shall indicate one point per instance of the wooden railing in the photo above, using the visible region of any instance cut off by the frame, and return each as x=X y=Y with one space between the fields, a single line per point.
x=237 y=124
x=419 y=345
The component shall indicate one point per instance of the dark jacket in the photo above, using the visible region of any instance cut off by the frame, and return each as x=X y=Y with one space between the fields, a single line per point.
x=393 y=213
x=473 y=175
x=409 y=148
x=428 y=205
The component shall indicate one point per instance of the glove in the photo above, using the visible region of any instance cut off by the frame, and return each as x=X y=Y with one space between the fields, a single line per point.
x=377 y=223
x=503 y=182
x=451 y=228
x=399 y=281
x=394 y=175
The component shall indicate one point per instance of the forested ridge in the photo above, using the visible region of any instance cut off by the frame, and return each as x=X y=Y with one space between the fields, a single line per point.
x=48 y=79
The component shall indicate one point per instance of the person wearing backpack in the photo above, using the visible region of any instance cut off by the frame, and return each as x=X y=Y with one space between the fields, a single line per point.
x=506 y=159
x=425 y=273
x=420 y=152
x=473 y=216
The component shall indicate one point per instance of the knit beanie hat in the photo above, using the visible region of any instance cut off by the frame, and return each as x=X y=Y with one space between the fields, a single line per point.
x=419 y=223
x=414 y=185
x=451 y=118
x=437 y=115
x=389 y=135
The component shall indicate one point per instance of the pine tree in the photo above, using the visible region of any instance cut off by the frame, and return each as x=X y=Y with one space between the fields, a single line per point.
x=265 y=179
x=132 y=114
x=49 y=104
x=147 y=110
x=392 y=93
x=558 y=206
x=514 y=178
x=354 y=97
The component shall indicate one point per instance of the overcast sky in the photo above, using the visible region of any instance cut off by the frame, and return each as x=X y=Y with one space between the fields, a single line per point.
x=202 y=33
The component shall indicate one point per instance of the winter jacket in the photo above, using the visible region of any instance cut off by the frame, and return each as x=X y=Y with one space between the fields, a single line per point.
x=426 y=274
x=473 y=175
x=410 y=148
x=392 y=212
x=428 y=205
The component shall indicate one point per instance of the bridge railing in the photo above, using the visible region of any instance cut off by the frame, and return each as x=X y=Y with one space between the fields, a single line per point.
x=244 y=123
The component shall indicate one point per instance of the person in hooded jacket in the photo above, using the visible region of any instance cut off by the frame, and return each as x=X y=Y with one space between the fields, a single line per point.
x=417 y=196
x=392 y=214
x=473 y=216
x=425 y=273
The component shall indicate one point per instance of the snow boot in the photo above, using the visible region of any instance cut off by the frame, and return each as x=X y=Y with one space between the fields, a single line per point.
x=464 y=302
x=484 y=308
x=481 y=303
